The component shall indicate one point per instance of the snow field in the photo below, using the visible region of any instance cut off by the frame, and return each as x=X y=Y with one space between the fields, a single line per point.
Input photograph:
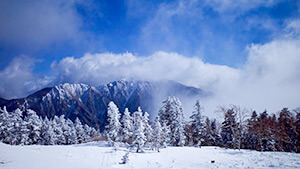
x=97 y=155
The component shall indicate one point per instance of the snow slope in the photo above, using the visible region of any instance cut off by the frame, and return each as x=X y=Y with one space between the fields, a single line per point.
x=97 y=155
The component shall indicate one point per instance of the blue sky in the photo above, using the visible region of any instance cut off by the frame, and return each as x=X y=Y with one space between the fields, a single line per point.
x=221 y=46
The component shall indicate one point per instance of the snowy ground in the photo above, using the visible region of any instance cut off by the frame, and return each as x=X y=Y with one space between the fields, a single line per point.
x=96 y=155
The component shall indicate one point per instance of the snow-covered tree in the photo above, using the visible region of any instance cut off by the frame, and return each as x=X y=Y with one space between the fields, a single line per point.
x=252 y=136
x=114 y=125
x=229 y=130
x=87 y=133
x=66 y=130
x=127 y=127
x=197 y=124
x=71 y=133
x=165 y=135
x=6 y=126
x=179 y=132
x=79 y=131
x=148 y=129
x=139 y=137
x=34 y=125
x=48 y=134
x=13 y=129
x=35 y=130
x=171 y=113
x=58 y=130
x=17 y=122
x=215 y=133
x=158 y=136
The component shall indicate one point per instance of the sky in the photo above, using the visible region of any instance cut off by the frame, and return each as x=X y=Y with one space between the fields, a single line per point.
x=247 y=52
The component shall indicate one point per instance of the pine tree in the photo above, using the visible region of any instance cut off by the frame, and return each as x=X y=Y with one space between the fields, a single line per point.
x=87 y=133
x=18 y=125
x=165 y=135
x=266 y=140
x=65 y=129
x=252 y=134
x=230 y=129
x=114 y=125
x=287 y=136
x=197 y=124
x=148 y=129
x=34 y=125
x=139 y=137
x=171 y=113
x=72 y=136
x=127 y=127
x=207 y=138
x=6 y=126
x=215 y=134
x=58 y=130
x=48 y=134
x=158 y=137
x=79 y=131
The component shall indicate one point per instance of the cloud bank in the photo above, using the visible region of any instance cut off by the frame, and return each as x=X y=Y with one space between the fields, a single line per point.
x=102 y=68
x=270 y=79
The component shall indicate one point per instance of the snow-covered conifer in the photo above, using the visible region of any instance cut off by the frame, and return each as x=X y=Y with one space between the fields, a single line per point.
x=127 y=127
x=139 y=137
x=79 y=131
x=72 y=136
x=114 y=125
x=158 y=137
x=87 y=130
x=48 y=134
x=34 y=125
x=180 y=133
x=166 y=135
x=229 y=129
x=148 y=129
x=58 y=130
x=6 y=126
x=197 y=124
x=171 y=113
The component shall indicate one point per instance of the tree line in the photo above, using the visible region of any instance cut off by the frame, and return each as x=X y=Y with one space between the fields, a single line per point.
x=32 y=129
x=260 y=132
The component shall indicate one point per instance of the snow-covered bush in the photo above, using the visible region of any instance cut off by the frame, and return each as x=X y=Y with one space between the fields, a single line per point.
x=33 y=129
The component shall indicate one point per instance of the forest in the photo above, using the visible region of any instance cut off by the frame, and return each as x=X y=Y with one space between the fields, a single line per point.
x=240 y=129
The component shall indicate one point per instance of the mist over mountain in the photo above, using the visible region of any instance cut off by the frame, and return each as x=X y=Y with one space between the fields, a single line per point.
x=89 y=103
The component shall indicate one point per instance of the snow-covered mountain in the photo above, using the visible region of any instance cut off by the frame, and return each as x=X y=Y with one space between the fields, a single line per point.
x=89 y=103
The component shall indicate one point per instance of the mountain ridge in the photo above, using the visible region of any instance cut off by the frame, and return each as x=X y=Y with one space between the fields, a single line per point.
x=89 y=103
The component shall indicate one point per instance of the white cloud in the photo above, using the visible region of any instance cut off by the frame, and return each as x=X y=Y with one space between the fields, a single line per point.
x=270 y=79
x=32 y=25
x=101 y=68
x=18 y=80
x=293 y=28
x=170 y=26
x=238 y=7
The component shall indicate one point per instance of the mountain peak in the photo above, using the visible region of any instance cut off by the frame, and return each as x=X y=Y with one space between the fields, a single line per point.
x=89 y=103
